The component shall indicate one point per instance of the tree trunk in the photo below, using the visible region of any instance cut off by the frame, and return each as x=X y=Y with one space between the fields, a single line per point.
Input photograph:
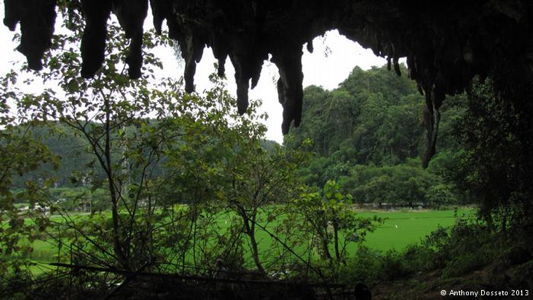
x=117 y=245
x=249 y=226
x=325 y=249
x=336 y=239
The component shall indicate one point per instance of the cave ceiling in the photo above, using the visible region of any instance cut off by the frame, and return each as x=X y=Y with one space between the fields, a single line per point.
x=446 y=43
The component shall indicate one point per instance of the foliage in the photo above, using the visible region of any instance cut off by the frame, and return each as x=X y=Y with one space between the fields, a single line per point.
x=150 y=147
x=373 y=117
x=19 y=154
x=177 y=182
x=71 y=152
x=329 y=220
x=230 y=169
x=366 y=135
x=495 y=159
x=399 y=185
x=466 y=247
x=102 y=113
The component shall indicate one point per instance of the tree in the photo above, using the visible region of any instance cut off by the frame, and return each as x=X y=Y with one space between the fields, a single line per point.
x=111 y=114
x=366 y=134
x=399 y=185
x=494 y=167
x=20 y=154
x=326 y=215
x=373 y=117
x=231 y=169
x=69 y=147
x=260 y=180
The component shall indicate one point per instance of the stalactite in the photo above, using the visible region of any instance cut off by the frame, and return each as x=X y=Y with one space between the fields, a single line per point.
x=220 y=52
x=93 y=41
x=288 y=59
x=37 y=20
x=247 y=56
x=161 y=10
x=442 y=59
x=434 y=98
x=13 y=12
x=131 y=15
x=192 y=49
x=397 y=66
x=310 y=47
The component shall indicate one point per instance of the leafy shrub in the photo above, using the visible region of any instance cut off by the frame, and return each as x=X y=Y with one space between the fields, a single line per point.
x=363 y=267
x=394 y=266
x=457 y=251
x=464 y=264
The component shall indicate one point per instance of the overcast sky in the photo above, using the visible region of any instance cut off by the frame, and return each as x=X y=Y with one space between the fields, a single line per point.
x=331 y=62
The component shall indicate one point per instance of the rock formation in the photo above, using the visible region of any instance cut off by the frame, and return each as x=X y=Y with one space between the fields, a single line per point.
x=447 y=43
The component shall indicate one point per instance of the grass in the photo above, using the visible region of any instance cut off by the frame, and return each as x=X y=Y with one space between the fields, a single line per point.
x=400 y=229
x=403 y=228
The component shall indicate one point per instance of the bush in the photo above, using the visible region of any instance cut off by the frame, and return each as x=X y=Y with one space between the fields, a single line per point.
x=363 y=267
x=464 y=264
x=394 y=265
x=457 y=251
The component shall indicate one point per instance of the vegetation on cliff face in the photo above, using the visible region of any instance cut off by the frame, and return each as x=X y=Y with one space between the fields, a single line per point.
x=368 y=136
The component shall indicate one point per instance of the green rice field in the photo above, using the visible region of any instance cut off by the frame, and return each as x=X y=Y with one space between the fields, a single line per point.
x=400 y=229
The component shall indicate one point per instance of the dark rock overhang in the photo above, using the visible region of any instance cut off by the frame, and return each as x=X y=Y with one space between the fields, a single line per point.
x=447 y=43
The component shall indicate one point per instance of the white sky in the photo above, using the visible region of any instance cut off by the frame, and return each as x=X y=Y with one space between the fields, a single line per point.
x=331 y=62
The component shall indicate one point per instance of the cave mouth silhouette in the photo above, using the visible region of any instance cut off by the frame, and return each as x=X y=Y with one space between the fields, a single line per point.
x=446 y=45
